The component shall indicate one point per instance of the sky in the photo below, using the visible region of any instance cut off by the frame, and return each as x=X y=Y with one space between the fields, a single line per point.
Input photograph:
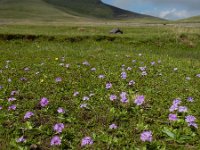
x=167 y=9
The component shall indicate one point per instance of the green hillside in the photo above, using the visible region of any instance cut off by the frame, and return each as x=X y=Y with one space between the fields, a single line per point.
x=65 y=10
x=30 y=9
x=191 y=19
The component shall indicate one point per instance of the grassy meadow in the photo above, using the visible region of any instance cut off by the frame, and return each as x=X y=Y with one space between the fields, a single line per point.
x=79 y=87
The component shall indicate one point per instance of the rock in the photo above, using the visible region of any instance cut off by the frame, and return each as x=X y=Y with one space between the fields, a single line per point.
x=116 y=31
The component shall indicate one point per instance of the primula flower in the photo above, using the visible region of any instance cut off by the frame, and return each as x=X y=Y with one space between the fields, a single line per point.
x=44 y=102
x=60 y=110
x=182 y=109
x=146 y=136
x=86 y=141
x=173 y=117
x=12 y=107
x=129 y=69
x=190 y=99
x=93 y=69
x=190 y=119
x=193 y=124
x=108 y=85
x=113 y=126
x=86 y=63
x=123 y=75
x=58 y=79
x=85 y=98
x=13 y=93
x=101 y=76
x=76 y=93
x=131 y=82
x=58 y=127
x=55 y=141
x=198 y=75
x=139 y=100
x=28 y=115
x=144 y=73
x=124 y=99
x=83 y=106
x=21 y=139
x=11 y=99
x=113 y=97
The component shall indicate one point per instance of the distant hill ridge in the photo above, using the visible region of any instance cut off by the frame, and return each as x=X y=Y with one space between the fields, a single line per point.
x=63 y=9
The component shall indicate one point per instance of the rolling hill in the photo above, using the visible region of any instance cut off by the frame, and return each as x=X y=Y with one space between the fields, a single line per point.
x=194 y=19
x=59 y=10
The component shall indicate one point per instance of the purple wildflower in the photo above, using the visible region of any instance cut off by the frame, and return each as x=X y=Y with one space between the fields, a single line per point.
x=173 y=117
x=190 y=119
x=21 y=139
x=113 y=126
x=28 y=115
x=123 y=75
x=12 y=107
x=23 y=79
x=144 y=73
x=44 y=102
x=153 y=63
x=124 y=99
x=58 y=79
x=55 y=141
x=101 y=76
x=129 y=69
x=60 y=110
x=182 y=109
x=190 y=99
x=198 y=75
x=146 y=136
x=75 y=93
x=83 y=106
x=139 y=100
x=173 y=108
x=26 y=69
x=176 y=102
x=85 y=98
x=86 y=63
x=1 y=87
x=1 y=107
x=13 y=93
x=11 y=99
x=142 y=68
x=86 y=141
x=133 y=61
x=131 y=82
x=113 y=97
x=93 y=69
x=58 y=127
x=108 y=85
x=193 y=124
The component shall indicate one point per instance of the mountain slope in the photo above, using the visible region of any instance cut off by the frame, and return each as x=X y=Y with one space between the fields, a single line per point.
x=195 y=19
x=62 y=10
x=94 y=8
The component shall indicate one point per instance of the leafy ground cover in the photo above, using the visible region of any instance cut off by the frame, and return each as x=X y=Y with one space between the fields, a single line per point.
x=138 y=91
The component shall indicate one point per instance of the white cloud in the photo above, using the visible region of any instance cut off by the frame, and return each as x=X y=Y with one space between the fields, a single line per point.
x=174 y=14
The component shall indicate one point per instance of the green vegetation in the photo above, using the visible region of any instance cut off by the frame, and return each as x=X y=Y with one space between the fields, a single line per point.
x=195 y=19
x=62 y=11
x=51 y=62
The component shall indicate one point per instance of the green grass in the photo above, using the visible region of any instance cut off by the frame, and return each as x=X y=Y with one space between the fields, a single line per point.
x=51 y=48
x=195 y=19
